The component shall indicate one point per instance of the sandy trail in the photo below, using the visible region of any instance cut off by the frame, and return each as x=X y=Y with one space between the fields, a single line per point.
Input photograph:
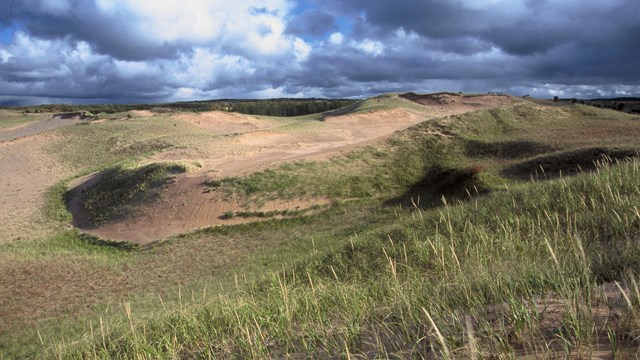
x=189 y=205
x=35 y=127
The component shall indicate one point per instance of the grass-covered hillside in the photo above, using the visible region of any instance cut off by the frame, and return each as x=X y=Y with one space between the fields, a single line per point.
x=502 y=233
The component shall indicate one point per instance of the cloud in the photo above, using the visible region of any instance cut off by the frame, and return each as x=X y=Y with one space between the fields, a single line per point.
x=497 y=42
x=142 y=50
x=368 y=46
x=312 y=23
x=336 y=38
x=143 y=29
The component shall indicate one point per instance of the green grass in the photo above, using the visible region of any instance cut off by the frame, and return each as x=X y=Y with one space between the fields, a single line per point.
x=224 y=257
x=482 y=264
x=372 y=294
x=492 y=140
x=10 y=118
x=96 y=146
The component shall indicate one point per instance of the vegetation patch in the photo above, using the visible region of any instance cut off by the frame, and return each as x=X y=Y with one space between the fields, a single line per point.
x=11 y=118
x=505 y=149
x=269 y=107
x=268 y=214
x=567 y=162
x=519 y=272
x=536 y=269
x=123 y=188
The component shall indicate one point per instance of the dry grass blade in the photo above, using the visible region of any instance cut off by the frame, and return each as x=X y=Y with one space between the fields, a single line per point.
x=441 y=339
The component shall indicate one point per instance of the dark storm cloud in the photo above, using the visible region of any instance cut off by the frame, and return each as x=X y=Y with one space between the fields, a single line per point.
x=503 y=42
x=312 y=23
x=175 y=50
x=520 y=29
x=109 y=34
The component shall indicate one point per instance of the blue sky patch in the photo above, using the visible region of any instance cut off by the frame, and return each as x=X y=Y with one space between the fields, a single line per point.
x=7 y=32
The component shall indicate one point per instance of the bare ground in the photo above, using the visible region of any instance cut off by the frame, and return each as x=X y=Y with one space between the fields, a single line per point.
x=27 y=172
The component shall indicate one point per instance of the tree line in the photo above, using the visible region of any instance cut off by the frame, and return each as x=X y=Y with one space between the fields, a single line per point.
x=269 y=107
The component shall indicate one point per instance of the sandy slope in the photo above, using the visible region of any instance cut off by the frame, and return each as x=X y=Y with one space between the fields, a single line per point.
x=189 y=205
x=220 y=122
x=26 y=172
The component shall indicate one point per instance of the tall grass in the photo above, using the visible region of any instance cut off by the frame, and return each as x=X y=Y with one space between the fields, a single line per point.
x=512 y=273
x=517 y=271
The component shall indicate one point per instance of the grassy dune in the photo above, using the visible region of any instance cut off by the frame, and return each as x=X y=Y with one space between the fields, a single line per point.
x=11 y=118
x=500 y=269
x=126 y=188
x=444 y=241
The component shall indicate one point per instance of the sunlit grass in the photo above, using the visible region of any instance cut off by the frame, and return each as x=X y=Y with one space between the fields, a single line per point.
x=12 y=118
x=499 y=268
x=409 y=287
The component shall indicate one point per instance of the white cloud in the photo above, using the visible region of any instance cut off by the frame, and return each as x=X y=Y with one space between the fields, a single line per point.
x=203 y=67
x=301 y=49
x=26 y=46
x=82 y=53
x=132 y=69
x=483 y=4
x=259 y=23
x=5 y=56
x=336 y=38
x=371 y=47
x=184 y=93
x=270 y=93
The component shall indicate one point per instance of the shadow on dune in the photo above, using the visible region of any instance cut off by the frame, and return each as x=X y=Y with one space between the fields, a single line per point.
x=505 y=149
x=566 y=163
x=442 y=183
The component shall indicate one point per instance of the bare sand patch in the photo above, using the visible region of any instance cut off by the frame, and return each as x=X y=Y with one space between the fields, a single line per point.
x=220 y=122
x=191 y=204
x=141 y=113
x=459 y=102
x=27 y=172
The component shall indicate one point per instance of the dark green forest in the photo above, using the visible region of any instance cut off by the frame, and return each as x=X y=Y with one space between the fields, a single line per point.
x=269 y=107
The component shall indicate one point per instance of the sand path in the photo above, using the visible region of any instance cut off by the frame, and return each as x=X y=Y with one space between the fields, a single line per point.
x=35 y=127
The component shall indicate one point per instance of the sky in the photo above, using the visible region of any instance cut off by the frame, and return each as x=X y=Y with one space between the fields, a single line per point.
x=133 y=51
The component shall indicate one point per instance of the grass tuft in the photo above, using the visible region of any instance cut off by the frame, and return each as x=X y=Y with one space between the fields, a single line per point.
x=122 y=189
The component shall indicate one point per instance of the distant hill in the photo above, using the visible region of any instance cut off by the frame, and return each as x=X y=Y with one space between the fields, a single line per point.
x=629 y=105
x=617 y=99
